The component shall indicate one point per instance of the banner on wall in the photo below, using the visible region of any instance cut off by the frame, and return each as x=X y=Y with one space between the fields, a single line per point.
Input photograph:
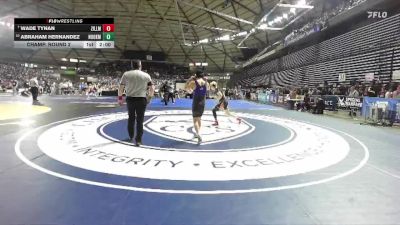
x=92 y=79
x=369 y=76
x=396 y=75
x=342 y=77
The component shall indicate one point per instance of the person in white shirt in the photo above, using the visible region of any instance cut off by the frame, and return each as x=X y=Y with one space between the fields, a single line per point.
x=353 y=92
x=396 y=93
x=139 y=90
x=34 y=84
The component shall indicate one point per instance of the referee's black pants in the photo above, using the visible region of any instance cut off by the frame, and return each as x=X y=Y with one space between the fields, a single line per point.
x=136 y=109
x=35 y=93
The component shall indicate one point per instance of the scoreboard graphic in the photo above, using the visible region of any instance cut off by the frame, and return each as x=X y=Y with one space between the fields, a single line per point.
x=64 y=33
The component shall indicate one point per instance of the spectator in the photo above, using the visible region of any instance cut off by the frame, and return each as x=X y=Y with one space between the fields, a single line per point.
x=353 y=92
x=371 y=92
x=396 y=93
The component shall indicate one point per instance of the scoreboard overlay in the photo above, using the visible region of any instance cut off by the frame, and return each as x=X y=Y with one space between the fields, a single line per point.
x=64 y=33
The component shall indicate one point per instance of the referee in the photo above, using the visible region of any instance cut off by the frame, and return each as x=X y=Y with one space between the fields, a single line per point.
x=34 y=84
x=136 y=84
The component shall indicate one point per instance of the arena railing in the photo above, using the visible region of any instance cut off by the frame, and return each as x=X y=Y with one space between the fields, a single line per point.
x=375 y=111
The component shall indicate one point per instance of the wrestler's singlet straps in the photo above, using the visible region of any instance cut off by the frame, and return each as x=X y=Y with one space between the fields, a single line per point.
x=199 y=90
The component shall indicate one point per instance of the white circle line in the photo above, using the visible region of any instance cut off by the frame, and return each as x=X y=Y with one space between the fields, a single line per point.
x=252 y=128
x=289 y=139
x=195 y=192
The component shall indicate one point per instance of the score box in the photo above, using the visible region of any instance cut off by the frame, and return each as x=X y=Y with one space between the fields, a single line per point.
x=108 y=32
x=108 y=36
x=108 y=27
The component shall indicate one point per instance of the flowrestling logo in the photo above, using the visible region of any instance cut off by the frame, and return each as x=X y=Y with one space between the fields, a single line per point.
x=262 y=147
x=377 y=14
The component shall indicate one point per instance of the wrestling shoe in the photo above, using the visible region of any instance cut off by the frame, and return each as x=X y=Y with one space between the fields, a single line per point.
x=199 y=139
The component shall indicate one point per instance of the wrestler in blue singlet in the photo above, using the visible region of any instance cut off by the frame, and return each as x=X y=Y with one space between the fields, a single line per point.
x=199 y=99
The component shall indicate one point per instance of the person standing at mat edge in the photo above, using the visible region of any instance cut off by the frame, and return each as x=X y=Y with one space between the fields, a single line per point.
x=34 y=84
x=139 y=91
x=199 y=86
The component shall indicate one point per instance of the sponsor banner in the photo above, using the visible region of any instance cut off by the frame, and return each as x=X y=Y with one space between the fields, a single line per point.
x=349 y=102
x=273 y=98
x=263 y=98
x=270 y=98
x=331 y=102
x=396 y=75
x=280 y=99
x=397 y=112
x=369 y=76
x=334 y=102
x=391 y=109
x=342 y=77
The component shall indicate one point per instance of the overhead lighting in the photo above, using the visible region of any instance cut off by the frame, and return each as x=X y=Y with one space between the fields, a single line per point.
x=224 y=38
x=73 y=60
x=302 y=6
x=198 y=64
x=204 y=41
x=204 y=64
x=191 y=64
x=262 y=26
x=265 y=27
x=243 y=33
x=64 y=59
x=82 y=61
x=63 y=67
x=187 y=44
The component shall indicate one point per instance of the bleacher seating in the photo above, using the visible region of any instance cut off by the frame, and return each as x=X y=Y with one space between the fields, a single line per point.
x=374 y=48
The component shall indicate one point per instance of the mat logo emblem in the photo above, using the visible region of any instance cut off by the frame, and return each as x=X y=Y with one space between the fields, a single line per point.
x=180 y=128
x=96 y=145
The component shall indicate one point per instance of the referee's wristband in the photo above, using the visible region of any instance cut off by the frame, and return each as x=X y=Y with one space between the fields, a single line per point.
x=119 y=98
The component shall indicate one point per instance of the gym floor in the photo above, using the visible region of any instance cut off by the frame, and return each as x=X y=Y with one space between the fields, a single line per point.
x=70 y=162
